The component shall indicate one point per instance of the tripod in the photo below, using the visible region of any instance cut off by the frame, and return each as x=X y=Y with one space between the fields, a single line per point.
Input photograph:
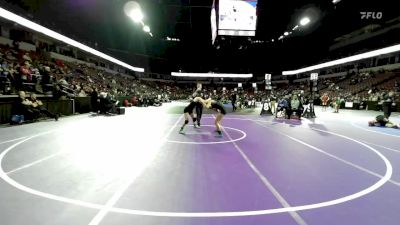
x=266 y=106
x=310 y=112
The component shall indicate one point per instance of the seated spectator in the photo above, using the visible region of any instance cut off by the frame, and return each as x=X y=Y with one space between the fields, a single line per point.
x=25 y=73
x=38 y=108
x=157 y=102
x=26 y=57
x=46 y=79
x=82 y=93
x=4 y=79
x=107 y=104
x=282 y=106
x=295 y=106
x=23 y=107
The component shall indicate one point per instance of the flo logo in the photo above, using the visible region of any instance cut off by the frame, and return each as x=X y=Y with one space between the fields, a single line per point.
x=371 y=15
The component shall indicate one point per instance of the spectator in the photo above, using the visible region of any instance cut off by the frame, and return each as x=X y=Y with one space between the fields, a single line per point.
x=23 y=107
x=107 y=104
x=38 y=108
x=25 y=73
x=295 y=106
x=233 y=97
x=94 y=100
x=26 y=57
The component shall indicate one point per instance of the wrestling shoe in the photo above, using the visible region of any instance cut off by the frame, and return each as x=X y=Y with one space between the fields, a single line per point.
x=181 y=131
x=219 y=134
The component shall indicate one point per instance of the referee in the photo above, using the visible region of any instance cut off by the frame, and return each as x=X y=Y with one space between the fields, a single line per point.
x=387 y=104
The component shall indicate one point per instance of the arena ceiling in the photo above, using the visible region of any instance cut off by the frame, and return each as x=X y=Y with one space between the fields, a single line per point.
x=103 y=22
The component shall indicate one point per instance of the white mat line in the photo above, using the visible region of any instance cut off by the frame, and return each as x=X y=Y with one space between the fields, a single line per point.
x=35 y=162
x=373 y=131
x=4 y=142
x=381 y=146
x=333 y=156
x=117 y=195
x=299 y=220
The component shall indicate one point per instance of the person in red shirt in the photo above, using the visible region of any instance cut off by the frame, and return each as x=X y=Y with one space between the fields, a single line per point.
x=26 y=75
x=325 y=100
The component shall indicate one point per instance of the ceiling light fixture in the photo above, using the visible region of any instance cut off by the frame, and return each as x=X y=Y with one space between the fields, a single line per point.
x=132 y=10
x=305 y=21
x=383 y=51
x=146 y=29
x=136 y=15
x=214 y=75
x=43 y=30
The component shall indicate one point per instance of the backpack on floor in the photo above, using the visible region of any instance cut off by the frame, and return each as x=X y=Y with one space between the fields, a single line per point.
x=16 y=119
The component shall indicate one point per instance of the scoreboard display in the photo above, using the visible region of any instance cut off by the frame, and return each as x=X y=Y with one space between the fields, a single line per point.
x=237 y=17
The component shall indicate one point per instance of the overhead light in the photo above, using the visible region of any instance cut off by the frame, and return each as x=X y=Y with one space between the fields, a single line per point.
x=213 y=75
x=136 y=15
x=304 y=21
x=383 y=51
x=132 y=9
x=286 y=33
x=280 y=37
x=222 y=32
x=295 y=28
x=272 y=40
x=36 y=27
x=146 y=29
x=336 y=1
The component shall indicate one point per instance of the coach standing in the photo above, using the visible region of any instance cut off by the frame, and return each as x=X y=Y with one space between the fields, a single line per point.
x=233 y=98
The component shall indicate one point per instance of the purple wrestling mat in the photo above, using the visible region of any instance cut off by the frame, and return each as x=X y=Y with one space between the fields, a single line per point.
x=137 y=169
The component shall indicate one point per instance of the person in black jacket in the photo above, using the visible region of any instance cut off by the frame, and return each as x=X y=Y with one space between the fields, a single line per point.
x=106 y=104
x=387 y=104
x=233 y=98
x=94 y=100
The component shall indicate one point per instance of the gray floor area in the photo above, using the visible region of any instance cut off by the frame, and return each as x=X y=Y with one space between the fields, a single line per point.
x=137 y=169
